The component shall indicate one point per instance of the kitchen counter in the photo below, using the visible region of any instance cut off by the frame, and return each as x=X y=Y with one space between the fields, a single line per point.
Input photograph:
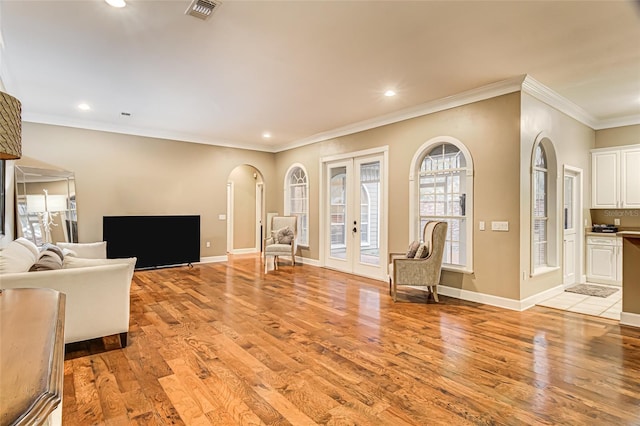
x=630 y=278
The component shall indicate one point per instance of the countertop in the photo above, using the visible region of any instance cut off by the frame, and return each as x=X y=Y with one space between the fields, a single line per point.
x=629 y=234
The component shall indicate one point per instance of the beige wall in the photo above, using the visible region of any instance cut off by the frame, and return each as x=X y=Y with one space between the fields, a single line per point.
x=124 y=174
x=572 y=142
x=120 y=174
x=618 y=136
x=244 y=206
x=490 y=130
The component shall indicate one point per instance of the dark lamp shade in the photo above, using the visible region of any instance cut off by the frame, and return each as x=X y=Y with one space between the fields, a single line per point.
x=10 y=127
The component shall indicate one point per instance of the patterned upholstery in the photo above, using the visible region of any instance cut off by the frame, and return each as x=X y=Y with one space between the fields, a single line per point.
x=420 y=272
x=271 y=246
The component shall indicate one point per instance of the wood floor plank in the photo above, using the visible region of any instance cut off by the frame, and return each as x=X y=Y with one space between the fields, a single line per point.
x=227 y=344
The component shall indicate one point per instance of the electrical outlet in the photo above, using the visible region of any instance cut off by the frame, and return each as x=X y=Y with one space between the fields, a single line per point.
x=222 y=217
x=616 y=221
x=208 y=243
x=481 y=225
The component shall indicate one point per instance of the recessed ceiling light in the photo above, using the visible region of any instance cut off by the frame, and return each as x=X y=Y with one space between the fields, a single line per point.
x=389 y=93
x=116 y=3
x=266 y=135
x=84 y=107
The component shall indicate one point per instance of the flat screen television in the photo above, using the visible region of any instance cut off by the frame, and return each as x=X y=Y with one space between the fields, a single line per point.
x=155 y=240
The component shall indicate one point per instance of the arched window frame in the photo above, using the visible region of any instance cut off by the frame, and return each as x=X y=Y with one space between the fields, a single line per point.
x=303 y=216
x=550 y=263
x=415 y=231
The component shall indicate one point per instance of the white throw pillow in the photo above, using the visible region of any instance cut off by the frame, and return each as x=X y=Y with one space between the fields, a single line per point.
x=87 y=250
x=17 y=257
x=29 y=244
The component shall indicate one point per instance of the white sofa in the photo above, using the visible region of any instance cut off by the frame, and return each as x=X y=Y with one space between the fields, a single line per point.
x=97 y=290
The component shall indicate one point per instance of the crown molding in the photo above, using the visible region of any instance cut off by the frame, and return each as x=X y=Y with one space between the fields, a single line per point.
x=541 y=92
x=523 y=83
x=630 y=120
x=482 y=93
x=136 y=131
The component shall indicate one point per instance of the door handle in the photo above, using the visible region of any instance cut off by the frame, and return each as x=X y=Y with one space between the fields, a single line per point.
x=355 y=229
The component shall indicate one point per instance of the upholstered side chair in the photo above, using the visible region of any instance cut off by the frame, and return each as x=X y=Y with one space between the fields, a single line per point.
x=421 y=271
x=281 y=241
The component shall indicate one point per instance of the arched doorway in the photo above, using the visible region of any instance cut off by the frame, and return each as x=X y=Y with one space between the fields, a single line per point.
x=245 y=210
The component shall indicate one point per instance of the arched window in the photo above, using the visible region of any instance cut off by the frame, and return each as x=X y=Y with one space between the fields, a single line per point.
x=540 y=217
x=442 y=186
x=544 y=222
x=296 y=200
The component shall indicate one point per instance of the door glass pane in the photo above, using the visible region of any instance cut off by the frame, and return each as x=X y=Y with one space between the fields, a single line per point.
x=338 y=212
x=370 y=213
x=568 y=202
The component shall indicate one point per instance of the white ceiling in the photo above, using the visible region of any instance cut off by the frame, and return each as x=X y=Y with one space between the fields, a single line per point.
x=303 y=68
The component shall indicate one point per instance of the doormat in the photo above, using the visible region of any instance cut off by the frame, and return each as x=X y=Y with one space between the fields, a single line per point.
x=592 y=290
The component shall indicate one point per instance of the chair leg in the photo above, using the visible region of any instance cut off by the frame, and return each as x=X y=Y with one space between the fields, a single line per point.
x=434 y=290
x=275 y=263
x=395 y=291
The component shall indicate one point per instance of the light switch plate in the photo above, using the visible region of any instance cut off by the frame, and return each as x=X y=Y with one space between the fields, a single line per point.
x=616 y=221
x=500 y=226
x=222 y=217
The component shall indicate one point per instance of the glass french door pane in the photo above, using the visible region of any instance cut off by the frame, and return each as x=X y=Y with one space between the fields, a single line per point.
x=370 y=213
x=568 y=202
x=338 y=200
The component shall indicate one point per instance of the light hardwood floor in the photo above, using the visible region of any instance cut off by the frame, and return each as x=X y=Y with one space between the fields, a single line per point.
x=225 y=344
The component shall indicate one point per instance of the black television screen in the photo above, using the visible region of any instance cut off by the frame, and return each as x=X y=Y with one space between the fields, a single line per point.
x=154 y=240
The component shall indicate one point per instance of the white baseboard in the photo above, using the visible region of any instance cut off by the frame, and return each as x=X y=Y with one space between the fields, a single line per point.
x=214 y=259
x=245 y=250
x=628 y=318
x=501 y=302
x=307 y=261
x=487 y=299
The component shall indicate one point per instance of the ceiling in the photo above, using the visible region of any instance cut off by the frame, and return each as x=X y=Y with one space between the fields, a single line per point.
x=299 y=69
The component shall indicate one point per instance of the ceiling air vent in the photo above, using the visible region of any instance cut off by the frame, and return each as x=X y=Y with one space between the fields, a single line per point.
x=202 y=9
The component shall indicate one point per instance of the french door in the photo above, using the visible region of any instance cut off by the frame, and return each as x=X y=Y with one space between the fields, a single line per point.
x=354 y=215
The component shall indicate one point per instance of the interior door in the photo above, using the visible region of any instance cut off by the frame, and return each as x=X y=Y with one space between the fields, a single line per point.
x=570 y=220
x=356 y=237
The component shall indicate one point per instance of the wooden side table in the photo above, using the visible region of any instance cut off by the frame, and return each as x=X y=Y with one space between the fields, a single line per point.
x=31 y=356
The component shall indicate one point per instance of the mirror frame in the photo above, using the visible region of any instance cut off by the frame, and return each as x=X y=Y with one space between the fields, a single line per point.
x=25 y=175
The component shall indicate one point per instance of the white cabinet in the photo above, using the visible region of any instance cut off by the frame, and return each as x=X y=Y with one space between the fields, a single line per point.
x=630 y=178
x=615 y=178
x=604 y=259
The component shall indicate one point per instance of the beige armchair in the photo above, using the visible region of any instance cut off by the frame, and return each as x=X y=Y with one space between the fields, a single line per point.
x=281 y=242
x=421 y=271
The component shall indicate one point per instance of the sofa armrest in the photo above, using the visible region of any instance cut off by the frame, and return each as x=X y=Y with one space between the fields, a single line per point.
x=98 y=297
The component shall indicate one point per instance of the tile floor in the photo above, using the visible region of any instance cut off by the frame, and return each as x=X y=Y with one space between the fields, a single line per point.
x=607 y=307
